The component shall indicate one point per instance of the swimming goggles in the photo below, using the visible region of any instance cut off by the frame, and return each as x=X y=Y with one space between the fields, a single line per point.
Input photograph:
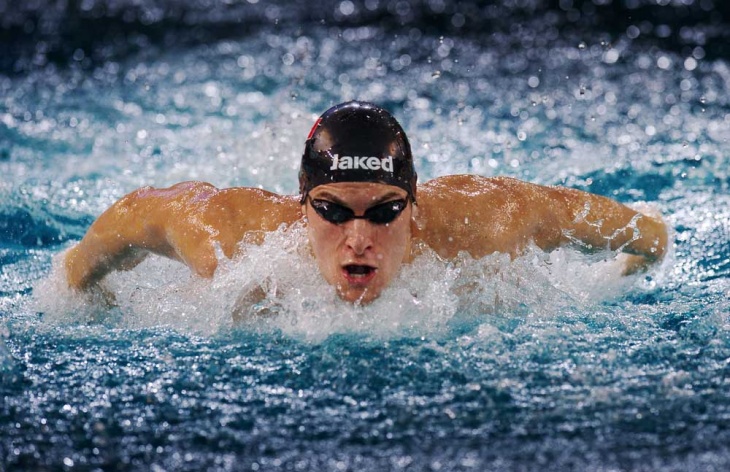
x=380 y=214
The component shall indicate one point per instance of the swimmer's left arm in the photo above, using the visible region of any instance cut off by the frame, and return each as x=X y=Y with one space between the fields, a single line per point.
x=593 y=222
x=483 y=215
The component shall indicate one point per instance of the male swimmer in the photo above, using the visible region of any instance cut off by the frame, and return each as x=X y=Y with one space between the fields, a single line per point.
x=363 y=213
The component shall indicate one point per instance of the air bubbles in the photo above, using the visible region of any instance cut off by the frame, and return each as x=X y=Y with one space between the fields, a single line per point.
x=633 y=32
x=686 y=85
x=663 y=31
x=458 y=20
x=690 y=63
x=611 y=56
x=346 y=8
x=211 y=90
x=664 y=62
x=287 y=59
x=244 y=61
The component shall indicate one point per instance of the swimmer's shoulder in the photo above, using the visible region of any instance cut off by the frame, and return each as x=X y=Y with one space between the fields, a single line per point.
x=468 y=186
x=261 y=208
x=205 y=195
x=256 y=196
x=479 y=215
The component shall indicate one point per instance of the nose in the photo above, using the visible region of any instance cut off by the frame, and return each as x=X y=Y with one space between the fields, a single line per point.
x=359 y=236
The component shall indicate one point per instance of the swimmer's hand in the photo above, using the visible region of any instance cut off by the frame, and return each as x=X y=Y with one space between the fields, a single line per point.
x=632 y=264
x=653 y=238
x=594 y=222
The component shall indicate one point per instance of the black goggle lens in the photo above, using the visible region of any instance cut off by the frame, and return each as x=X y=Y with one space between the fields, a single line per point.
x=381 y=214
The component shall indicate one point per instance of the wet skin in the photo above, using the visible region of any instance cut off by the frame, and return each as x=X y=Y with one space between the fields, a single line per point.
x=477 y=215
x=358 y=257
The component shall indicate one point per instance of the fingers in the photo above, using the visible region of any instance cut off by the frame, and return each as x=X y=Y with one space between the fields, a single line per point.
x=74 y=269
x=633 y=264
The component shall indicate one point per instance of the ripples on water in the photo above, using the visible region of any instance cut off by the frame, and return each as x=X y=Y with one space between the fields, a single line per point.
x=550 y=362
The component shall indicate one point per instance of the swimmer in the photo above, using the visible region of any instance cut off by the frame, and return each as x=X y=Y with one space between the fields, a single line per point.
x=364 y=213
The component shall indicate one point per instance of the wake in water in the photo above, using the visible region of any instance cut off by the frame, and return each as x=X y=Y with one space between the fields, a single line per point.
x=277 y=286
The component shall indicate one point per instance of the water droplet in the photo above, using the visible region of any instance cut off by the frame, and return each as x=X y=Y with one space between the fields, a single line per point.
x=582 y=45
x=436 y=74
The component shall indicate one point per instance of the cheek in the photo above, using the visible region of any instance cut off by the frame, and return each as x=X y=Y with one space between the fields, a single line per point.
x=395 y=243
x=323 y=242
x=315 y=242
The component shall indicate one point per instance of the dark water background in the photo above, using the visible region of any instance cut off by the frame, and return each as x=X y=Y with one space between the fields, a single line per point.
x=38 y=32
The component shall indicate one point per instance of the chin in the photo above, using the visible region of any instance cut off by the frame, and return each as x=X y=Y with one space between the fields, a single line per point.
x=359 y=297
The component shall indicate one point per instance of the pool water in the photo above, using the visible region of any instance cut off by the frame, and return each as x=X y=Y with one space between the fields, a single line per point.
x=549 y=362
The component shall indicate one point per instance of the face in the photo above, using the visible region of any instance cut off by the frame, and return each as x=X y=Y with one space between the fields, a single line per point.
x=359 y=257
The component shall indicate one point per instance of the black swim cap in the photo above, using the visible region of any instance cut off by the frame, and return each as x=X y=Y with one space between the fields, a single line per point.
x=357 y=142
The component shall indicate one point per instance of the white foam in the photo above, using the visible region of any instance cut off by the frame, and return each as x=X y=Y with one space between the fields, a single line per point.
x=427 y=296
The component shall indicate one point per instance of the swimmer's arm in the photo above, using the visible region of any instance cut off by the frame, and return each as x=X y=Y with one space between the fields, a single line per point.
x=593 y=223
x=161 y=221
x=184 y=222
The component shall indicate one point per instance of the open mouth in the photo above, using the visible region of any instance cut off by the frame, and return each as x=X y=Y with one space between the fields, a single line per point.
x=359 y=273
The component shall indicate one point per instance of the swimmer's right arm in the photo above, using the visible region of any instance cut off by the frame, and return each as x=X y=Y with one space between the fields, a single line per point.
x=161 y=221
x=184 y=222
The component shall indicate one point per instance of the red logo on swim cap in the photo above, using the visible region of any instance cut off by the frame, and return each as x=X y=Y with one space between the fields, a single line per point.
x=311 y=132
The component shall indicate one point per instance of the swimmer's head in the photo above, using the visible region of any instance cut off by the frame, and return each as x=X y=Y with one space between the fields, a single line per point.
x=357 y=142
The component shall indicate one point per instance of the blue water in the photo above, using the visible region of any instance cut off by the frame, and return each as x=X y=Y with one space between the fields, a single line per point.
x=549 y=362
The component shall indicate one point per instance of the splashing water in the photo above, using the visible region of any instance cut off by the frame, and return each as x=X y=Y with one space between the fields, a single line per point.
x=295 y=299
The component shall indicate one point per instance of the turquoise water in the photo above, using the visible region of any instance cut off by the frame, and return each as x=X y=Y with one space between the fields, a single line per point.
x=549 y=362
